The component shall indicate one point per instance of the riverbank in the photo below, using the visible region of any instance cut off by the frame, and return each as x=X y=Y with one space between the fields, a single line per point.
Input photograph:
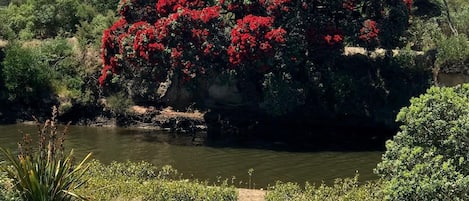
x=240 y=128
x=141 y=181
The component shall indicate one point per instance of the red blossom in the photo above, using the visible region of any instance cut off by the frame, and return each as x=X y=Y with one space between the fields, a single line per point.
x=234 y=55
x=208 y=49
x=165 y=7
x=328 y=39
x=140 y=25
x=275 y=6
x=337 y=38
x=278 y=35
x=175 y=53
x=253 y=39
x=210 y=13
x=332 y=40
x=156 y=47
x=369 y=31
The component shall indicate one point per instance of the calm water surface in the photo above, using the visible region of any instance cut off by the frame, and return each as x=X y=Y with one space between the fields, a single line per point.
x=208 y=163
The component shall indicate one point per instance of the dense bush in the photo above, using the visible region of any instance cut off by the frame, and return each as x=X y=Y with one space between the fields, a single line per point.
x=143 y=181
x=103 y=6
x=453 y=54
x=68 y=72
x=430 y=23
x=89 y=33
x=346 y=189
x=428 y=158
x=42 y=19
x=119 y=103
x=25 y=73
x=38 y=70
x=17 y=20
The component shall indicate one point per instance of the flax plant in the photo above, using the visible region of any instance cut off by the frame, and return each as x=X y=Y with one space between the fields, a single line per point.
x=47 y=173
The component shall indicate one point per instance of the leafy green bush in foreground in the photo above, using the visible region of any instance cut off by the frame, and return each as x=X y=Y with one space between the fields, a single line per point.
x=429 y=158
x=143 y=181
x=343 y=189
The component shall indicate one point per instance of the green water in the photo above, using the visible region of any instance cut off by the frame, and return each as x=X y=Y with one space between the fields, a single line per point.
x=208 y=163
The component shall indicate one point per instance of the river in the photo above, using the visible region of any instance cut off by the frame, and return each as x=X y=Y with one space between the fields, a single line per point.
x=205 y=162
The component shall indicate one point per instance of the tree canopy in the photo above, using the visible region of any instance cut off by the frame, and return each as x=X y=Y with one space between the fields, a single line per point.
x=190 y=39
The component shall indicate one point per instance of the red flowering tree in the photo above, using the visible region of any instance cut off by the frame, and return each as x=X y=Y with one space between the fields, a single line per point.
x=157 y=40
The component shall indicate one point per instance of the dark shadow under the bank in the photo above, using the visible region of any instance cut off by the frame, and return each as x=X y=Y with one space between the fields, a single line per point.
x=304 y=137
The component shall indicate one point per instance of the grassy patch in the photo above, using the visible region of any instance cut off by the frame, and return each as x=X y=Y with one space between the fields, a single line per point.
x=143 y=181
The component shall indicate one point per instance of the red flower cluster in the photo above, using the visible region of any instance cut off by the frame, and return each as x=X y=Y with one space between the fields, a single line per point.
x=277 y=35
x=193 y=47
x=332 y=40
x=108 y=69
x=274 y=7
x=254 y=38
x=369 y=31
x=109 y=48
x=146 y=44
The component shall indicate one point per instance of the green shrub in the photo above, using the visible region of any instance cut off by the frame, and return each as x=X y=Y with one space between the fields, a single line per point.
x=346 y=189
x=453 y=52
x=46 y=173
x=18 y=19
x=25 y=74
x=66 y=74
x=90 y=33
x=103 y=5
x=119 y=103
x=430 y=25
x=143 y=181
x=38 y=70
x=5 y=31
x=460 y=15
x=428 y=158
x=49 y=18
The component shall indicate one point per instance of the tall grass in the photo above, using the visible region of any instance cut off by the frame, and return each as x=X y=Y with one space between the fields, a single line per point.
x=46 y=173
